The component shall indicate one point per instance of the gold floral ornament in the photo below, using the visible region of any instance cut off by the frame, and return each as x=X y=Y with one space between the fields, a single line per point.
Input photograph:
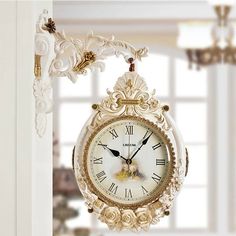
x=128 y=219
x=111 y=216
x=87 y=59
x=144 y=218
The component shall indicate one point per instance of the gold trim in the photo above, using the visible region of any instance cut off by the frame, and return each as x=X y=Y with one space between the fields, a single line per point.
x=37 y=66
x=122 y=101
x=160 y=189
x=87 y=59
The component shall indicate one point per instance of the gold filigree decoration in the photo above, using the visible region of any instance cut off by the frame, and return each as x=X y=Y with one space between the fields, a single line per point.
x=87 y=59
x=130 y=97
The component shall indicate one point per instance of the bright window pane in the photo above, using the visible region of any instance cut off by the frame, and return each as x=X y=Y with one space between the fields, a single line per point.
x=72 y=118
x=83 y=219
x=66 y=156
x=115 y=68
x=192 y=208
x=191 y=83
x=191 y=120
x=80 y=88
x=197 y=173
x=155 y=70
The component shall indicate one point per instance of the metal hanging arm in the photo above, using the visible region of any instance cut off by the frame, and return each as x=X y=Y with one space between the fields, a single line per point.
x=58 y=55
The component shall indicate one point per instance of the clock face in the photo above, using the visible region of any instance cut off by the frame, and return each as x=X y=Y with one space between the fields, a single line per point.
x=127 y=161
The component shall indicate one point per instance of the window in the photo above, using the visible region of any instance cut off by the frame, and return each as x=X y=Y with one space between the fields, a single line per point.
x=187 y=94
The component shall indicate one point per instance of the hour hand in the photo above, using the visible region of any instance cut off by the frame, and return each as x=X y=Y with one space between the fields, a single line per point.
x=114 y=152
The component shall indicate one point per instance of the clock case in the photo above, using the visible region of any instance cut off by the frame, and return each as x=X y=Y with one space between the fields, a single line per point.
x=130 y=97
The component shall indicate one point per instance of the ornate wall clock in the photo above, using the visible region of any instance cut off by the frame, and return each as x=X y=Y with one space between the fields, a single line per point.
x=129 y=159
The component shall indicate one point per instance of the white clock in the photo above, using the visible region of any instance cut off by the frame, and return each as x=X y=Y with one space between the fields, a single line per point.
x=130 y=160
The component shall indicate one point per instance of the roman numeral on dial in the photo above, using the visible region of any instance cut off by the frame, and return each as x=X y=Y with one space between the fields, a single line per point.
x=128 y=193
x=144 y=190
x=160 y=162
x=113 y=188
x=129 y=129
x=113 y=133
x=98 y=160
x=101 y=176
x=154 y=147
x=156 y=178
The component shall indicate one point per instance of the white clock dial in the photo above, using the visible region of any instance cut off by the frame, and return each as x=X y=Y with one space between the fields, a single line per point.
x=127 y=161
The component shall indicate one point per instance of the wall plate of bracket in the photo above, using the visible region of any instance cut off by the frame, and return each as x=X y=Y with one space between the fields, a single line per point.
x=58 y=55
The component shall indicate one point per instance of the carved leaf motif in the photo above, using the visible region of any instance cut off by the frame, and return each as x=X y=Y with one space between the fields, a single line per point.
x=70 y=52
x=131 y=86
x=44 y=43
x=41 y=123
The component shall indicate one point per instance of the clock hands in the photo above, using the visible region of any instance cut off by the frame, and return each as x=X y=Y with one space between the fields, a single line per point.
x=144 y=142
x=114 y=152
x=117 y=153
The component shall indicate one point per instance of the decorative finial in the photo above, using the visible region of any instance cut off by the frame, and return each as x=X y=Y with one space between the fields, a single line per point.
x=50 y=26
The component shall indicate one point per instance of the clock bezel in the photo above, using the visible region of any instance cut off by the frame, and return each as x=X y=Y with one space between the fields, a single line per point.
x=160 y=189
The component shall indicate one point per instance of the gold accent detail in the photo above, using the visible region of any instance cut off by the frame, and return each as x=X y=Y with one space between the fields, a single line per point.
x=87 y=59
x=187 y=162
x=37 y=66
x=95 y=106
x=98 y=204
x=130 y=97
x=160 y=189
x=121 y=101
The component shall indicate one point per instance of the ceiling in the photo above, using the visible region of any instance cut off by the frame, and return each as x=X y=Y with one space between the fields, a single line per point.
x=158 y=19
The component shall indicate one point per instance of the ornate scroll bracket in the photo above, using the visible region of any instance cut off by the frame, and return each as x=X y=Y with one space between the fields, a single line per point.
x=57 y=55
x=44 y=54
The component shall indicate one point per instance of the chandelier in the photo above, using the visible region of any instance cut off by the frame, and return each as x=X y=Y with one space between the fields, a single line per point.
x=208 y=43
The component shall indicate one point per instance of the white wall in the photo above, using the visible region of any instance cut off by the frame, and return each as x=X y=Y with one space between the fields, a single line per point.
x=25 y=163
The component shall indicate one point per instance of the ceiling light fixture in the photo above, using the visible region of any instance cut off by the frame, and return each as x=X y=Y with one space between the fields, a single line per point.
x=208 y=43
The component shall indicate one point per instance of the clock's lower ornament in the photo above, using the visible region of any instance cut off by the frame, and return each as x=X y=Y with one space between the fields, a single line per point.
x=130 y=160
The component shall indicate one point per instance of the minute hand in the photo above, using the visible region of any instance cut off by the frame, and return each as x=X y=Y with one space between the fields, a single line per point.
x=144 y=142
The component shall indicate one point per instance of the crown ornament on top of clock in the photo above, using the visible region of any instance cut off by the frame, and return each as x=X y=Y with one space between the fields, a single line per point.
x=131 y=97
x=58 y=55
